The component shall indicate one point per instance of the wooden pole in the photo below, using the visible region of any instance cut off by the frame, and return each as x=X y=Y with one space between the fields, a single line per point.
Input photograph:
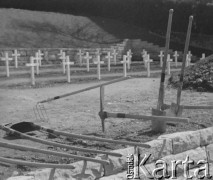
x=102 y=89
x=160 y=126
x=184 y=62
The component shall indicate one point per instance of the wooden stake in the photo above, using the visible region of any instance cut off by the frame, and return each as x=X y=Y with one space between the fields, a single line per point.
x=98 y=62
x=32 y=65
x=102 y=89
x=16 y=55
x=7 y=59
x=124 y=62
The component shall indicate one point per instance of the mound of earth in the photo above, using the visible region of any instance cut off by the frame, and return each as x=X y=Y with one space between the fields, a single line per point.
x=198 y=76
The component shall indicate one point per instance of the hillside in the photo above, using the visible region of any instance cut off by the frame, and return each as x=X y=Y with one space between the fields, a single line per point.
x=23 y=28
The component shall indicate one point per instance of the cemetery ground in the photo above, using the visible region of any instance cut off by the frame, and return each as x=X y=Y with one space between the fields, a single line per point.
x=79 y=114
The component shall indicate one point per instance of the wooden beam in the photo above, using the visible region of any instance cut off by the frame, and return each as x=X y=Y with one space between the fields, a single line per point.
x=43 y=151
x=166 y=106
x=34 y=164
x=92 y=138
x=24 y=136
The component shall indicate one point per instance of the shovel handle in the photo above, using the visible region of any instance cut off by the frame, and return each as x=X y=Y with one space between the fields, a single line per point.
x=184 y=60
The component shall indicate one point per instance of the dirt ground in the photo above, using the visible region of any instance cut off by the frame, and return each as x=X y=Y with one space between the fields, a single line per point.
x=79 y=114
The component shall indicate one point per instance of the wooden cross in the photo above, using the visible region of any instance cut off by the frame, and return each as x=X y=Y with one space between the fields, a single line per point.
x=7 y=59
x=188 y=60
x=114 y=54
x=68 y=63
x=161 y=55
x=148 y=61
x=129 y=58
x=145 y=58
x=87 y=57
x=203 y=56
x=176 y=58
x=37 y=58
x=124 y=62
x=63 y=58
x=99 y=62
x=40 y=54
x=80 y=54
x=16 y=55
x=109 y=57
x=168 y=64
x=32 y=65
x=61 y=53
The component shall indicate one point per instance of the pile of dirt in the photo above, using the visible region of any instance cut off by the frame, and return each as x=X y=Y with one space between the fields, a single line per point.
x=197 y=77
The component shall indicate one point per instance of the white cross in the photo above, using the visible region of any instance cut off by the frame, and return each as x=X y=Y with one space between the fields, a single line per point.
x=203 y=56
x=114 y=54
x=32 y=65
x=188 y=60
x=80 y=54
x=108 y=57
x=40 y=54
x=99 y=62
x=129 y=58
x=87 y=57
x=16 y=55
x=124 y=62
x=63 y=58
x=145 y=58
x=7 y=59
x=148 y=61
x=37 y=58
x=168 y=64
x=61 y=53
x=161 y=55
x=176 y=58
x=68 y=63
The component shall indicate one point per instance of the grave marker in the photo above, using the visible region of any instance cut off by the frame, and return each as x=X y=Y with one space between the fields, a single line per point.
x=114 y=54
x=7 y=59
x=61 y=53
x=32 y=65
x=161 y=55
x=63 y=58
x=129 y=57
x=203 y=56
x=188 y=60
x=148 y=61
x=99 y=62
x=80 y=54
x=109 y=57
x=40 y=54
x=87 y=57
x=16 y=55
x=145 y=58
x=68 y=63
x=37 y=58
x=176 y=58
x=168 y=64
x=124 y=62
